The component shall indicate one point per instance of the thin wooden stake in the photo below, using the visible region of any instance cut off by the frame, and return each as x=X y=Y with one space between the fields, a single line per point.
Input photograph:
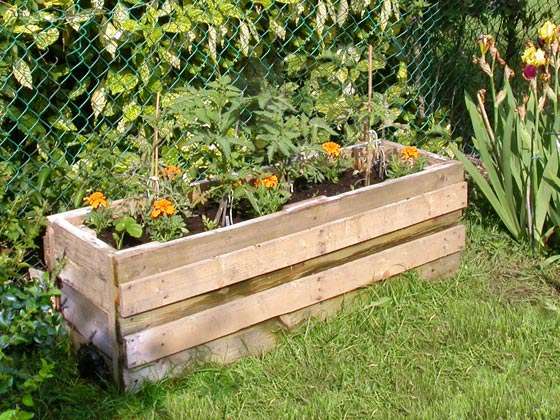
x=155 y=150
x=369 y=162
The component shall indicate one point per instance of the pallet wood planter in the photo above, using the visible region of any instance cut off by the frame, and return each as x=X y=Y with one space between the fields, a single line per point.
x=156 y=308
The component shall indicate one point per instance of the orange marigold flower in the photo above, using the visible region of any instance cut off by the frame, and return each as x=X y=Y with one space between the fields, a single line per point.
x=410 y=153
x=171 y=171
x=268 y=182
x=162 y=207
x=96 y=199
x=331 y=148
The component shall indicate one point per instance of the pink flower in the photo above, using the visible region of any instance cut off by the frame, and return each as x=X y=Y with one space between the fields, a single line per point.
x=529 y=72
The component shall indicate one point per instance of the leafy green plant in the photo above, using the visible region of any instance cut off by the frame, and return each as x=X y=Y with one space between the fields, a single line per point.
x=266 y=195
x=166 y=228
x=99 y=219
x=517 y=141
x=409 y=161
x=209 y=224
x=28 y=330
x=126 y=225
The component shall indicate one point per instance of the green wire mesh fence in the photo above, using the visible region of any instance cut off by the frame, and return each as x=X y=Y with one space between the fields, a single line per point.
x=78 y=78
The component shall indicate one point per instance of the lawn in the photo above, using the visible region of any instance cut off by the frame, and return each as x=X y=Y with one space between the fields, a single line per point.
x=483 y=344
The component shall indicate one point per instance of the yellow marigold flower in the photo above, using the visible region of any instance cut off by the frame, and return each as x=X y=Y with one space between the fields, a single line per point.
x=171 y=171
x=331 y=148
x=548 y=32
x=409 y=153
x=96 y=199
x=268 y=182
x=162 y=207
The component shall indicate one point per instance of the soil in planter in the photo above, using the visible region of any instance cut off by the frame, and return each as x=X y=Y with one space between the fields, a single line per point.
x=302 y=191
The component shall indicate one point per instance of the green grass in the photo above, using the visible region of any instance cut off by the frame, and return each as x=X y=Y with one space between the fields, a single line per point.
x=484 y=344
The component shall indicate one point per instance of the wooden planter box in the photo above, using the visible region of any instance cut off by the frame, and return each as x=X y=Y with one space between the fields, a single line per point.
x=153 y=309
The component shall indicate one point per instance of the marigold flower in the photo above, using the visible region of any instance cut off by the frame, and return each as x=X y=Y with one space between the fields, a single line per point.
x=548 y=32
x=171 y=171
x=529 y=72
x=331 y=148
x=162 y=207
x=96 y=199
x=410 y=153
x=268 y=182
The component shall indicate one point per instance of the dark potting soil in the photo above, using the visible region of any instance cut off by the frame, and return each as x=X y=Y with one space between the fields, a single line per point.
x=348 y=181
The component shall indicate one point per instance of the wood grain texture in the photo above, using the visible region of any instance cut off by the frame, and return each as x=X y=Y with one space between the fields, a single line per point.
x=154 y=258
x=199 y=303
x=252 y=341
x=86 y=318
x=205 y=326
x=440 y=269
x=263 y=257
x=86 y=261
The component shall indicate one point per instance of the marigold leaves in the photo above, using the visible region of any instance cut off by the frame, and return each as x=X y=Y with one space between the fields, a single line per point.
x=22 y=73
x=98 y=101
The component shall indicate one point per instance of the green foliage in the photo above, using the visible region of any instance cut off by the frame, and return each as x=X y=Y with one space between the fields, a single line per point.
x=126 y=225
x=398 y=167
x=28 y=330
x=99 y=219
x=166 y=228
x=517 y=143
x=265 y=200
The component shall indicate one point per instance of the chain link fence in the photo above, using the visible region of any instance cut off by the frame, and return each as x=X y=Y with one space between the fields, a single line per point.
x=79 y=78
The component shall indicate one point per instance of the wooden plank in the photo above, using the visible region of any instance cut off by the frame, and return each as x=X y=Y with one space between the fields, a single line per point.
x=440 y=269
x=199 y=303
x=87 y=265
x=252 y=341
x=87 y=318
x=153 y=258
x=227 y=269
x=202 y=327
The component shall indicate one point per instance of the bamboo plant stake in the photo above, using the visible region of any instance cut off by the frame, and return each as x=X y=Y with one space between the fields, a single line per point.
x=370 y=151
x=154 y=176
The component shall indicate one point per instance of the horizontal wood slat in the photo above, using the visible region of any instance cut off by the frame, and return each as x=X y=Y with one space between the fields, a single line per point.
x=86 y=261
x=202 y=327
x=199 y=303
x=260 y=338
x=153 y=258
x=263 y=257
x=87 y=318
